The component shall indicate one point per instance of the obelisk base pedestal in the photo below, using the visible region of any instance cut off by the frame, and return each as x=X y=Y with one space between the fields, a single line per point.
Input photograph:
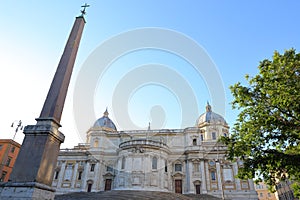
x=32 y=175
x=26 y=191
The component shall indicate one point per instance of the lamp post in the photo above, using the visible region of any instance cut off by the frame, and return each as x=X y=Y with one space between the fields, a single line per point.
x=18 y=127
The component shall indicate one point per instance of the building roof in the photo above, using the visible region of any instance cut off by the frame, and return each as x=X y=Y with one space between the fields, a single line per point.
x=105 y=122
x=210 y=117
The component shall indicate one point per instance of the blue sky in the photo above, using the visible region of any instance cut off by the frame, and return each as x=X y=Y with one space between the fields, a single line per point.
x=235 y=34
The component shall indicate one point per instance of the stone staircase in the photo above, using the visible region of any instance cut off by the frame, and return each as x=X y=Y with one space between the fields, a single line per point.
x=131 y=195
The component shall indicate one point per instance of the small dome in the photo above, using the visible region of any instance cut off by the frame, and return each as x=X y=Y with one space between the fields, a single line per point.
x=210 y=117
x=105 y=122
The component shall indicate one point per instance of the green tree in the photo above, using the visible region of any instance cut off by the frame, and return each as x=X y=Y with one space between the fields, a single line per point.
x=266 y=134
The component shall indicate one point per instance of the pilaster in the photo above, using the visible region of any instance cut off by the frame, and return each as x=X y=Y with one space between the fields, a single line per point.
x=203 y=178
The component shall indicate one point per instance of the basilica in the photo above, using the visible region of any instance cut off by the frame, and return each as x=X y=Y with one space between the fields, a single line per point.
x=188 y=161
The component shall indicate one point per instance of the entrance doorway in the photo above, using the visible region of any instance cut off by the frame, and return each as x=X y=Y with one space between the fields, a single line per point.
x=178 y=186
x=89 y=189
x=107 y=184
x=197 y=189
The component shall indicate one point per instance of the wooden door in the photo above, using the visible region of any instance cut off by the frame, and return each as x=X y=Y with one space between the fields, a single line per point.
x=197 y=189
x=178 y=186
x=107 y=184
x=89 y=189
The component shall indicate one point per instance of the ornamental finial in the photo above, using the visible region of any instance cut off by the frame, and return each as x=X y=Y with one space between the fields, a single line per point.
x=208 y=107
x=106 y=113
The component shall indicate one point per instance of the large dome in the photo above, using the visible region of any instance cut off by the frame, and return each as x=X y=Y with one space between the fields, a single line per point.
x=210 y=117
x=105 y=122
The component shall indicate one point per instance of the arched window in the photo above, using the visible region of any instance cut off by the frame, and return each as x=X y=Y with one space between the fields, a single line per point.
x=154 y=163
x=123 y=163
x=194 y=141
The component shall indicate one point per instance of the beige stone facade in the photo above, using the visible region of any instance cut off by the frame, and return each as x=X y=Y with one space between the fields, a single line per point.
x=263 y=192
x=185 y=161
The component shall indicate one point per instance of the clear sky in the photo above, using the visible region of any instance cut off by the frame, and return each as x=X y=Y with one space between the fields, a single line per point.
x=234 y=35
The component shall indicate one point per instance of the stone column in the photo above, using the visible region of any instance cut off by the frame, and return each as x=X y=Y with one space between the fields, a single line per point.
x=237 y=181
x=187 y=171
x=97 y=176
x=220 y=178
x=251 y=184
x=61 y=174
x=74 y=175
x=203 y=177
x=85 y=177
x=191 y=184
x=207 y=174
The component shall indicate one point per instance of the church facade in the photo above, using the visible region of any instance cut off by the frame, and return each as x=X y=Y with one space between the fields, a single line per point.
x=185 y=161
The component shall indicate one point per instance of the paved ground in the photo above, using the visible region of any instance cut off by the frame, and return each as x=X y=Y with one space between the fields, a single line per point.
x=131 y=195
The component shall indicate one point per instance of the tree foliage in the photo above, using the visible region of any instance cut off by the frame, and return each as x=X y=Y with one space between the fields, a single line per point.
x=266 y=134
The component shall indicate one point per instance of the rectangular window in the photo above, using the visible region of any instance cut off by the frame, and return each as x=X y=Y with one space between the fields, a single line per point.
x=109 y=168
x=178 y=168
x=213 y=136
x=123 y=163
x=56 y=175
x=92 y=167
x=166 y=166
x=196 y=167
x=154 y=163
x=213 y=175
x=261 y=195
x=201 y=137
x=8 y=161
x=3 y=176
x=194 y=142
x=79 y=175
x=1 y=146
x=12 y=149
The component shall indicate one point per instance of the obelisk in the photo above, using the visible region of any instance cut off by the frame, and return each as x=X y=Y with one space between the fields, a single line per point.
x=33 y=171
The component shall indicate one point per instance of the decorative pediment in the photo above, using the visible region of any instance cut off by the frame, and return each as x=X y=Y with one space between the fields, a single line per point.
x=92 y=161
x=197 y=182
x=178 y=175
x=108 y=175
x=195 y=160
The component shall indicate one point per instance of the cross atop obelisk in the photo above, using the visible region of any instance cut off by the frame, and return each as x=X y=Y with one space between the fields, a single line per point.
x=33 y=171
x=84 y=7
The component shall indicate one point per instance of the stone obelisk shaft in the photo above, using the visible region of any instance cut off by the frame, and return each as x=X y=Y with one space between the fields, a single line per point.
x=54 y=102
x=33 y=171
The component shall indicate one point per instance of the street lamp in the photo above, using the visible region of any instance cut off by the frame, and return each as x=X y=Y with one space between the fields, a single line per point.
x=18 y=126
